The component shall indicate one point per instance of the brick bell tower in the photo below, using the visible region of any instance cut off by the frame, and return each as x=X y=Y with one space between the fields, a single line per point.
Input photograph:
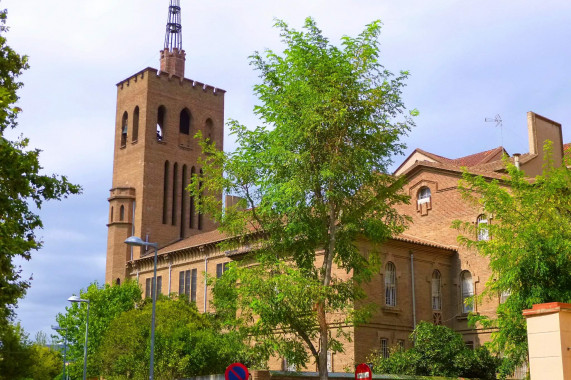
x=155 y=154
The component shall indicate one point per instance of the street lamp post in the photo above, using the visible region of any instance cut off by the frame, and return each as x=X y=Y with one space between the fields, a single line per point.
x=58 y=329
x=138 y=242
x=77 y=299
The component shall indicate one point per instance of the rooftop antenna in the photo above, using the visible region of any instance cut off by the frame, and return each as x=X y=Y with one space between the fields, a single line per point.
x=173 y=36
x=499 y=123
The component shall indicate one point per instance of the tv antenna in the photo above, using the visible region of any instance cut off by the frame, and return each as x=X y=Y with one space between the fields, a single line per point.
x=499 y=123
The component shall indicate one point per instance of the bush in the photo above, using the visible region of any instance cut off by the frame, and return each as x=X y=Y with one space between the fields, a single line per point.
x=438 y=351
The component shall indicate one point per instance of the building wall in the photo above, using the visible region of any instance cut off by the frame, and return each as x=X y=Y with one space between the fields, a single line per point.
x=433 y=221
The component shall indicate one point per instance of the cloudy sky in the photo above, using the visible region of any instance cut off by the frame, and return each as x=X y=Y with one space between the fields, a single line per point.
x=468 y=60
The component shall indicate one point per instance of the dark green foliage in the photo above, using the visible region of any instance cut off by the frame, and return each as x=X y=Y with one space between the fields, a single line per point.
x=313 y=178
x=529 y=249
x=21 y=359
x=22 y=187
x=438 y=351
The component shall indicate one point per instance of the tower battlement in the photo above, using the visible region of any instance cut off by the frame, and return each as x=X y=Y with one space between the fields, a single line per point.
x=163 y=75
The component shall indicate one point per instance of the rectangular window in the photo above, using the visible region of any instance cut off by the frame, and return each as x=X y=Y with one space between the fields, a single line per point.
x=329 y=361
x=385 y=348
x=220 y=269
x=187 y=284
x=289 y=367
x=193 y=285
x=470 y=345
x=181 y=282
x=148 y=288
x=159 y=285
x=400 y=345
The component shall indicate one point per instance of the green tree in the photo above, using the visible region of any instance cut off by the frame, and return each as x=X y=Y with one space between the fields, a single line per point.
x=529 y=249
x=437 y=351
x=187 y=343
x=22 y=187
x=15 y=354
x=106 y=303
x=46 y=362
x=313 y=178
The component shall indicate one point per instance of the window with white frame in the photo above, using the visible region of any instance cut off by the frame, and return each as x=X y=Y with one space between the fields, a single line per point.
x=329 y=361
x=482 y=227
x=467 y=290
x=504 y=295
x=390 y=284
x=436 y=290
x=289 y=367
x=423 y=195
x=384 y=348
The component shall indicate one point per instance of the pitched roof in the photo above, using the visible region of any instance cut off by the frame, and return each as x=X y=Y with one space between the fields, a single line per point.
x=480 y=157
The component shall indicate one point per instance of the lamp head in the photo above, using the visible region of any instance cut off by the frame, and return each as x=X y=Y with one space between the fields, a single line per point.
x=138 y=242
x=76 y=299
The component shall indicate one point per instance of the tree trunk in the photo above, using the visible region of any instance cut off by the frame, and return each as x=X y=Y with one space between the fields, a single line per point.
x=323 y=335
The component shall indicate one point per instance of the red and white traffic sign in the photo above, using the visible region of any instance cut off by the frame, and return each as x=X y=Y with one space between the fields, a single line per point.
x=363 y=372
x=236 y=371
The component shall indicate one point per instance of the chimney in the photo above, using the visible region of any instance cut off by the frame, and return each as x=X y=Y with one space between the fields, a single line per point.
x=173 y=56
x=516 y=160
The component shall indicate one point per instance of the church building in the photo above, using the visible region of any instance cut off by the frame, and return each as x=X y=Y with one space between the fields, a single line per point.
x=426 y=275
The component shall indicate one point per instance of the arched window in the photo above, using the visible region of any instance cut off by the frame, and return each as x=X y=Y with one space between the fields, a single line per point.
x=111 y=215
x=482 y=227
x=124 y=122
x=208 y=126
x=135 y=124
x=200 y=200
x=192 y=205
x=161 y=115
x=118 y=281
x=390 y=284
x=183 y=201
x=122 y=213
x=165 y=192
x=174 y=193
x=184 y=126
x=436 y=291
x=423 y=195
x=467 y=292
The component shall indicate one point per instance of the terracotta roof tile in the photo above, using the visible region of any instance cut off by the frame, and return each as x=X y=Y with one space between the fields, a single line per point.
x=480 y=158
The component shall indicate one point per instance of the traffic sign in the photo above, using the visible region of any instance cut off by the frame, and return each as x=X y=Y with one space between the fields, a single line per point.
x=363 y=372
x=236 y=371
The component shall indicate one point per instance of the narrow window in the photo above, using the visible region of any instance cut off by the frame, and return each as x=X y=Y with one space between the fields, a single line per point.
x=193 y=285
x=400 y=345
x=390 y=285
x=184 y=126
x=199 y=200
x=220 y=269
x=208 y=127
x=436 y=291
x=187 y=283
x=118 y=281
x=329 y=361
x=136 y=124
x=385 y=348
x=482 y=227
x=122 y=213
x=192 y=208
x=161 y=114
x=174 y=193
x=181 y=283
x=124 y=122
x=467 y=292
x=148 y=287
x=183 y=202
x=165 y=192
x=159 y=285
x=111 y=215
x=423 y=195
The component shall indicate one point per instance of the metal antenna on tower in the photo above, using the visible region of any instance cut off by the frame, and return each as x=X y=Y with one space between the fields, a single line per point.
x=173 y=36
x=498 y=120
